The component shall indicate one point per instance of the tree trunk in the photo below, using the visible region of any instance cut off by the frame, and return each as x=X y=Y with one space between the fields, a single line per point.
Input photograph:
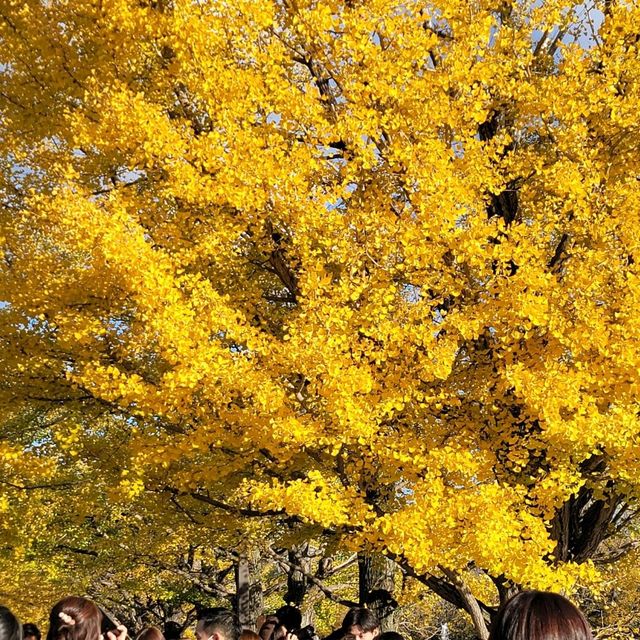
x=375 y=587
x=297 y=582
x=248 y=600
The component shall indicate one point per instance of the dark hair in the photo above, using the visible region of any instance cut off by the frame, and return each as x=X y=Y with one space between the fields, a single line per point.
x=87 y=617
x=538 y=615
x=150 y=633
x=10 y=627
x=30 y=629
x=336 y=634
x=268 y=627
x=391 y=635
x=221 y=620
x=361 y=617
x=172 y=630
x=290 y=617
x=279 y=632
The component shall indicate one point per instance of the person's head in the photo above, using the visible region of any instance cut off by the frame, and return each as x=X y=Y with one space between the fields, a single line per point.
x=217 y=624
x=30 y=631
x=172 y=630
x=290 y=617
x=150 y=633
x=279 y=632
x=267 y=627
x=10 y=627
x=336 y=634
x=391 y=635
x=538 y=615
x=85 y=616
x=360 y=624
x=248 y=634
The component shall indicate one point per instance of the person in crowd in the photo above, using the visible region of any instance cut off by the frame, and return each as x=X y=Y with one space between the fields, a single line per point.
x=217 y=624
x=267 y=627
x=391 y=635
x=30 y=631
x=150 y=633
x=336 y=634
x=77 y=618
x=10 y=627
x=280 y=632
x=286 y=620
x=360 y=624
x=172 y=630
x=538 y=615
x=248 y=634
x=289 y=617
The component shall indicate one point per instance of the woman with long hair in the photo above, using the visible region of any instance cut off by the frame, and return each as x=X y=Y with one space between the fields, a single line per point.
x=150 y=633
x=539 y=615
x=76 y=618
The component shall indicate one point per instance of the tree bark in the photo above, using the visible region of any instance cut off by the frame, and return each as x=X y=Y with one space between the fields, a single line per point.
x=375 y=587
x=297 y=581
x=248 y=600
x=471 y=604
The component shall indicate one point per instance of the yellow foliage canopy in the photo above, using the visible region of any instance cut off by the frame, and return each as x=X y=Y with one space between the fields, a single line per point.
x=371 y=266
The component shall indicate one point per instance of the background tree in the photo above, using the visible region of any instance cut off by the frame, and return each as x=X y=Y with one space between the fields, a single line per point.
x=353 y=270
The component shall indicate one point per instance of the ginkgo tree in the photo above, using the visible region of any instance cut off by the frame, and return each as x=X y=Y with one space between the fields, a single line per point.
x=360 y=269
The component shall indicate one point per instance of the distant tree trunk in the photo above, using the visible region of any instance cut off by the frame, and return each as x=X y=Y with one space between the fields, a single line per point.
x=248 y=600
x=297 y=581
x=375 y=587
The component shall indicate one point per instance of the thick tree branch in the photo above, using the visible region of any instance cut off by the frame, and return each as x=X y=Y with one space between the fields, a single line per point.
x=440 y=587
x=313 y=580
x=471 y=603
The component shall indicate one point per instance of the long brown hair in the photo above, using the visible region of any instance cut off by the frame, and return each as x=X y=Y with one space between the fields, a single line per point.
x=86 y=615
x=150 y=633
x=539 y=615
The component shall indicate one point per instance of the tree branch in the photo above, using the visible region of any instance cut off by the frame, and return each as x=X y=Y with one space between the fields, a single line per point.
x=313 y=580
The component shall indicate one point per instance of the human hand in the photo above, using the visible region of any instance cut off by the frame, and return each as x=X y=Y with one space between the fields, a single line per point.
x=120 y=633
